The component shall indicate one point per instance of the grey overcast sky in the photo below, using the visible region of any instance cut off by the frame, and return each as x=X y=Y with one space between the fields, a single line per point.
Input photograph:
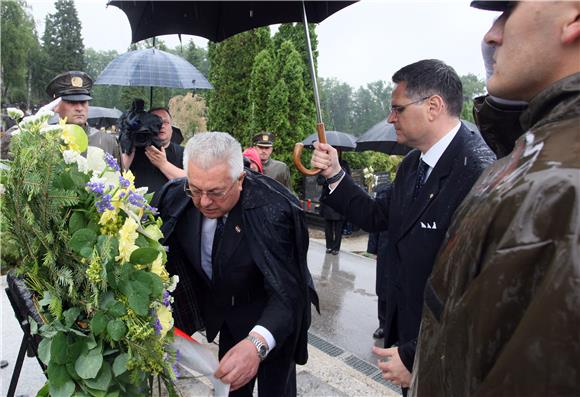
x=362 y=43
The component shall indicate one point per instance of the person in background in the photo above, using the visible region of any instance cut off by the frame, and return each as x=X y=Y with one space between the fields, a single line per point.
x=430 y=184
x=264 y=144
x=333 y=221
x=238 y=242
x=500 y=314
x=73 y=88
x=253 y=159
x=154 y=167
x=377 y=245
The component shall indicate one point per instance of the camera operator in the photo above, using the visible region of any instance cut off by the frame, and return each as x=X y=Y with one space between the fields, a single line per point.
x=154 y=166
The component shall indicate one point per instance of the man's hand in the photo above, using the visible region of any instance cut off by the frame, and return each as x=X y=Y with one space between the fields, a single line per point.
x=157 y=157
x=393 y=370
x=325 y=157
x=239 y=365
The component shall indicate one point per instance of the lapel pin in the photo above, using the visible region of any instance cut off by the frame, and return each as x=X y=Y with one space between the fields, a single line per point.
x=238 y=228
x=431 y=196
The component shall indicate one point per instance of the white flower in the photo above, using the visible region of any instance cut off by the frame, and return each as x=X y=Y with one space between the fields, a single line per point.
x=173 y=285
x=82 y=164
x=70 y=156
x=15 y=132
x=28 y=122
x=44 y=115
x=96 y=159
x=51 y=128
x=15 y=113
x=365 y=170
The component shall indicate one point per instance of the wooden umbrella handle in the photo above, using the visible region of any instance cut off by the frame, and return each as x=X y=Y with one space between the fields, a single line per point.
x=297 y=154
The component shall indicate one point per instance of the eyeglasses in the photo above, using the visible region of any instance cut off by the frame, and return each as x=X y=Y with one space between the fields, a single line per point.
x=212 y=194
x=398 y=109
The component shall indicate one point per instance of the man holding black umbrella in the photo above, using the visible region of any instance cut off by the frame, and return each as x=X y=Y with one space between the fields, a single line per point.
x=431 y=182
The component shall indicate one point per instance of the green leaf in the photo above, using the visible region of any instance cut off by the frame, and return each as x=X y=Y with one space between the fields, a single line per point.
x=44 y=350
x=139 y=302
x=120 y=364
x=76 y=222
x=86 y=252
x=43 y=392
x=88 y=365
x=83 y=238
x=58 y=348
x=58 y=377
x=143 y=256
x=99 y=322
x=117 y=309
x=66 y=390
x=71 y=315
x=73 y=351
x=93 y=226
x=153 y=282
x=116 y=329
x=70 y=367
x=103 y=378
x=33 y=325
x=91 y=343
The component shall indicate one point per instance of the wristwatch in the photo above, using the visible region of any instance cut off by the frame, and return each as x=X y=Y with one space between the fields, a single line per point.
x=260 y=347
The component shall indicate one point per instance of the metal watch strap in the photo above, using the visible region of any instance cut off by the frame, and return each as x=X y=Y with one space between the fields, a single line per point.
x=336 y=177
x=261 y=348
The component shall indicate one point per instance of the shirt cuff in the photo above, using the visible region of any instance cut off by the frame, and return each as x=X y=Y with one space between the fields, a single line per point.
x=266 y=335
x=335 y=185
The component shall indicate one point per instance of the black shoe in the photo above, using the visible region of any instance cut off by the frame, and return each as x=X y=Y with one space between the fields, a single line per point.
x=334 y=252
x=328 y=250
x=379 y=333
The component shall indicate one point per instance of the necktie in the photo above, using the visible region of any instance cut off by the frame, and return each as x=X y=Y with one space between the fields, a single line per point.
x=421 y=174
x=219 y=230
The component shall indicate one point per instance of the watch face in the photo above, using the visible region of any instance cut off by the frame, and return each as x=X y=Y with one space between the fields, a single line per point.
x=263 y=351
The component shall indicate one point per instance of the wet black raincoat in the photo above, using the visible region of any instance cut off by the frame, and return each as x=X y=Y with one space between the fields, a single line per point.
x=263 y=201
x=502 y=306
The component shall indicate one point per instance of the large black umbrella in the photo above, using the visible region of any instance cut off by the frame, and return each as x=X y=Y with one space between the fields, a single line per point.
x=381 y=137
x=218 y=20
x=97 y=117
x=338 y=140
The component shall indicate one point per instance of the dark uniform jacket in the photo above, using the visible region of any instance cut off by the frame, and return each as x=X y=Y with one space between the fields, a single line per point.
x=502 y=307
x=416 y=227
x=260 y=273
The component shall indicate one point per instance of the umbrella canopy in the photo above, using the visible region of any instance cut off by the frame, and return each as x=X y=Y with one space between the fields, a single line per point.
x=337 y=139
x=152 y=68
x=97 y=112
x=381 y=137
x=217 y=20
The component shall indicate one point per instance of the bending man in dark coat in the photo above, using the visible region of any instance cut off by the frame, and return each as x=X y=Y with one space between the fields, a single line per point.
x=430 y=183
x=238 y=243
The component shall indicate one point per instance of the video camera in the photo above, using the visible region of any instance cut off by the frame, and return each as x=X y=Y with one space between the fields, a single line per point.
x=137 y=128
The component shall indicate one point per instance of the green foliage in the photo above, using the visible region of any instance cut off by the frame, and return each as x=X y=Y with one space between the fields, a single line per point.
x=19 y=49
x=473 y=86
x=62 y=40
x=264 y=73
x=379 y=161
x=96 y=304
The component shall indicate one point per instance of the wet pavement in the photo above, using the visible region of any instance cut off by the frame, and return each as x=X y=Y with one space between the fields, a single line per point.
x=341 y=362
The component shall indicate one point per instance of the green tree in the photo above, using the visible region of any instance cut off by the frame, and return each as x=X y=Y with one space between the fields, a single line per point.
x=473 y=86
x=371 y=104
x=231 y=63
x=337 y=104
x=18 y=45
x=96 y=62
x=262 y=82
x=62 y=40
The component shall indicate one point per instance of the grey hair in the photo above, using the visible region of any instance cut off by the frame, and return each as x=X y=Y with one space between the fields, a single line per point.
x=207 y=149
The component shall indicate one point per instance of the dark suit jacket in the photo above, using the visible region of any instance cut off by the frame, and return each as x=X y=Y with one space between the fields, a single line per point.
x=416 y=227
x=259 y=268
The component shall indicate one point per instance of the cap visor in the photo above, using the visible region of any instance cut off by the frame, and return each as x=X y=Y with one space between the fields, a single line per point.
x=264 y=144
x=76 y=97
x=490 y=5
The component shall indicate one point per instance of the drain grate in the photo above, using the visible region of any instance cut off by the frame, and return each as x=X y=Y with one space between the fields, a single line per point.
x=325 y=346
x=379 y=378
x=360 y=365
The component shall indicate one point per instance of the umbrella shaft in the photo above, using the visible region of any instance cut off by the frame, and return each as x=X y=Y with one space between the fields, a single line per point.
x=312 y=71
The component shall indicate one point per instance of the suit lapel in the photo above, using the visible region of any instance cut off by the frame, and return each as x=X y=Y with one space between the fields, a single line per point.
x=434 y=184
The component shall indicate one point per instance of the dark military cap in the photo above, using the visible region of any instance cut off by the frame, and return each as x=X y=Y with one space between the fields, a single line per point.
x=71 y=86
x=492 y=5
x=263 y=139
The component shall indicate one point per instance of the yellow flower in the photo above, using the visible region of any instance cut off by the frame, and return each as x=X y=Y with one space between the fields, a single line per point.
x=165 y=319
x=127 y=236
x=157 y=268
x=74 y=137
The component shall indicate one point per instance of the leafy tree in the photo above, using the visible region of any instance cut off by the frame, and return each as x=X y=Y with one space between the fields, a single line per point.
x=19 y=43
x=337 y=104
x=197 y=56
x=473 y=86
x=188 y=113
x=96 y=62
x=62 y=40
x=371 y=104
